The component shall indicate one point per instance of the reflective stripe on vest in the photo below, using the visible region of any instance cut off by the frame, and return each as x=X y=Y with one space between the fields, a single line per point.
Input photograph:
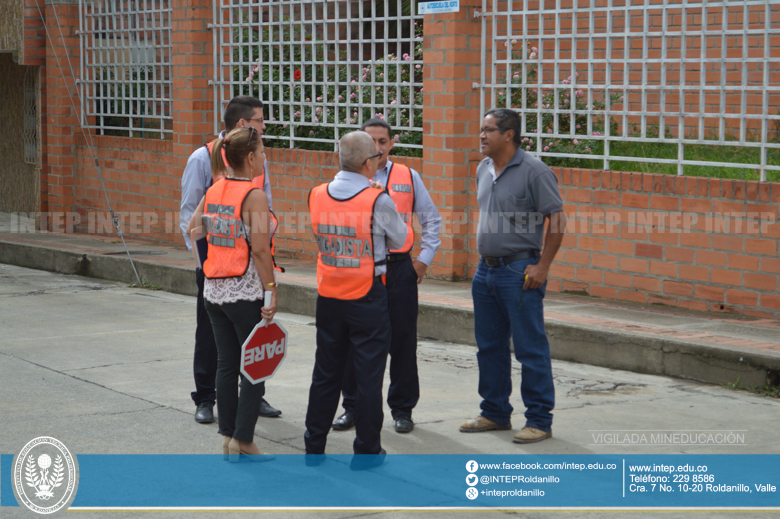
x=227 y=236
x=401 y=189
x=274 y=226
x=343 y=229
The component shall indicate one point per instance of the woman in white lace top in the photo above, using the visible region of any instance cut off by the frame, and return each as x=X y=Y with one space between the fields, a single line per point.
x=239 y=270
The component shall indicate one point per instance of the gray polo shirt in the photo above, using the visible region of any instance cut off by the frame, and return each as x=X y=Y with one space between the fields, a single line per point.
x=514 y=203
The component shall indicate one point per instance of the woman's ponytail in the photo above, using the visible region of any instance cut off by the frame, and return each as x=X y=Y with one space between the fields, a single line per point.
x=218 y=166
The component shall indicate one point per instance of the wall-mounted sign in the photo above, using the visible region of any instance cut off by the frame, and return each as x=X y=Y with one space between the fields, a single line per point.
x=442 y=6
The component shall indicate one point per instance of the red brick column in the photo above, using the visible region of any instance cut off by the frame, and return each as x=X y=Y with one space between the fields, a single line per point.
x=34 y=52
x=451 y=118
x=60 y=120
x=192 y=69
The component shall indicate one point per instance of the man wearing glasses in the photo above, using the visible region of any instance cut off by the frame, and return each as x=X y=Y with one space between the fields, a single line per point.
x=354 y=225
x=241 y=111
x=516 y=193
x=407 y=190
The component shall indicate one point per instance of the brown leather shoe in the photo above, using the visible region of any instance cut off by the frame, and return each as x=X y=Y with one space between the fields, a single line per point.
x=531 y=435
x=482 y=424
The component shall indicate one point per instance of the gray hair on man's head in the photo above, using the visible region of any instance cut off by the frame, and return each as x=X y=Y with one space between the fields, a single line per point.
x=354 y=149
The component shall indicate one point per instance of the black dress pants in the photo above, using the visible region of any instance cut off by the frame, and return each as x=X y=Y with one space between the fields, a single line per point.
x=204 y=362
x=361 y=327
x=237 y=409
x=404 y=389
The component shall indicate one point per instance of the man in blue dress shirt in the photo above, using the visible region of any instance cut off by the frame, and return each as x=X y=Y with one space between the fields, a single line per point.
x=241 y=111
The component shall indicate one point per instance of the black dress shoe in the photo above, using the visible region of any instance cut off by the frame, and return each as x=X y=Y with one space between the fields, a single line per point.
x=367 y=461
x=344 y=422
x=267 y=411
x=314 y=460
x=205 y=412
x=404 y=424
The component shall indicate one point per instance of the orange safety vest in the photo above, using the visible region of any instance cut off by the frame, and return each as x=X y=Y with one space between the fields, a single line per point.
x=343 y=229
x=227 y=236
x=275 y=225
x=400 y=187
x=258 y=181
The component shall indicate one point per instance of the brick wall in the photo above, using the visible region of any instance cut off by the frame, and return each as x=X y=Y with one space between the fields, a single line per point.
x=697 y=243
x=142 y=175
x=141 y=181
x=293 y=173
x=34 y=33
x=705 y=244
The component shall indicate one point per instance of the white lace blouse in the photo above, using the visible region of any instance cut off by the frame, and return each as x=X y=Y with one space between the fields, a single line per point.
x=229 y=290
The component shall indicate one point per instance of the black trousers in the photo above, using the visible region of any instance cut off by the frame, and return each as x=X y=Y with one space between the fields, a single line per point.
x=361 y=326
x=232 y=324
x=404 y=389
x=204 y=362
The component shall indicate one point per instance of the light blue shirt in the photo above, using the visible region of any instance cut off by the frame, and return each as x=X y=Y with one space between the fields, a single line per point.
x=196 y=180
x=426 y=212
x=389 y=229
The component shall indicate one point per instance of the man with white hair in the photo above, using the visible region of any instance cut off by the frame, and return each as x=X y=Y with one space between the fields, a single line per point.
x=354 y=225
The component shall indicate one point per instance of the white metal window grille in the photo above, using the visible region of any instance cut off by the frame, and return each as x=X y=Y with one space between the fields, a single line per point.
x=589 y=76
x=30 y=130
x=322 y=68
x=126 y=67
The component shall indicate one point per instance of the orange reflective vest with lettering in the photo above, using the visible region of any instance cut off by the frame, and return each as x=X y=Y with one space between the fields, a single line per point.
x=227 y=236
x=258 y=181
x=343 y=229
x=400 y=187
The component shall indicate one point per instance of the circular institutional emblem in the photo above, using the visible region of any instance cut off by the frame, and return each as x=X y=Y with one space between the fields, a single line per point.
x=45 y=475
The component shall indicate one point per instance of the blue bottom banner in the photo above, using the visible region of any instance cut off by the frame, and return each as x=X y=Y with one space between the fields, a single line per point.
x=407 y=481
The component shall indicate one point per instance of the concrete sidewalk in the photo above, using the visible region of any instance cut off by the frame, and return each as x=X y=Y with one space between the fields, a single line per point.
x=107 y=369
x=656 y=340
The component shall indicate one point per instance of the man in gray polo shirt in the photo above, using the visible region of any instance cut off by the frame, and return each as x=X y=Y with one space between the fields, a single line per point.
x=517 y=193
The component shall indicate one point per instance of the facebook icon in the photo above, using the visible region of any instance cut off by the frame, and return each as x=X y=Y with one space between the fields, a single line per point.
x=472 y=466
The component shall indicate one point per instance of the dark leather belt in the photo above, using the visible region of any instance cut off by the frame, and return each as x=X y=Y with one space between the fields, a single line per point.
x=392 y=258
x=497 y=261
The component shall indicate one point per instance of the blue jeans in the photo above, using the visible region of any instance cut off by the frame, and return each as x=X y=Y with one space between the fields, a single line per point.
x=502 y=308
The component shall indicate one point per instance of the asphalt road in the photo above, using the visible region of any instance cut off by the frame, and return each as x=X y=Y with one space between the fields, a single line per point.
x=105 y=368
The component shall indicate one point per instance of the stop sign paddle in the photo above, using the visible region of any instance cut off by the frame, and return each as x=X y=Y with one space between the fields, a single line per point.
x=264 y=350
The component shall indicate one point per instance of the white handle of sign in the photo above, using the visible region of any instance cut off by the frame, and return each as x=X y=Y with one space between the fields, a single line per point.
x=266 y=302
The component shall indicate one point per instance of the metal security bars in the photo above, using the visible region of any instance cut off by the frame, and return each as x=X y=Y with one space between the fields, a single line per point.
x=610 y=79
x=30 y=133
x=322 y=68
x=126 y=67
